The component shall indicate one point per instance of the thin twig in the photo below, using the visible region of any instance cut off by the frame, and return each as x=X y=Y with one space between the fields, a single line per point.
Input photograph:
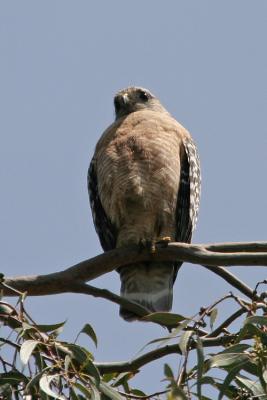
x=149 y=396
x=233 y=280
x=226 y=323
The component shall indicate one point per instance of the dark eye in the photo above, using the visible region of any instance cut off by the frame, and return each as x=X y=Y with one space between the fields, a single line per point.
x=144 y=96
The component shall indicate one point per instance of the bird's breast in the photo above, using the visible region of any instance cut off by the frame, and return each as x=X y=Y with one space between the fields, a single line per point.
x=139 y=170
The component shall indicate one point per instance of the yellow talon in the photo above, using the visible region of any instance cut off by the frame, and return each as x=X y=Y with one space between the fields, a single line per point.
x=166 y=239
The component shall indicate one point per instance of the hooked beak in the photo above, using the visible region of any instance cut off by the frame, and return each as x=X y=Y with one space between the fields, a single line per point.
x=125 y=99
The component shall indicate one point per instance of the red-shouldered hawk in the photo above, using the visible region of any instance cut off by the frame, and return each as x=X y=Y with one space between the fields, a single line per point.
x=144 y=187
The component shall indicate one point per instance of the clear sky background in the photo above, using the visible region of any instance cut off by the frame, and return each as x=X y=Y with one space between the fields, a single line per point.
x=61 y=62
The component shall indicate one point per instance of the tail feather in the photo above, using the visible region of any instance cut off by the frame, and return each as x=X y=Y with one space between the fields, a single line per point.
x=149 y=285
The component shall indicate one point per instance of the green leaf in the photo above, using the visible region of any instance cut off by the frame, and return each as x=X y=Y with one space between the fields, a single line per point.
x=50 y=328
x=12 y=377
x=45 y=386
x=67 y=362
x=83 y=389
x=35 y=380
x=180 y=327
x=168 y=372
x=264 y=375
x=27 y=349
x=200 y=365
x=159 y=340
x=174 y=334
x=83 y=359
x=6 y=309
x=78 y=353
x=88 y=330
x=206 y=380
x=227 y=359
x=89 y=367
x=95 y=395
x=257 y=319
x=122 y=378
x=231 y=375
x=110 y=392
x=177 y=393
x=109 y=377
x=138 y=392
x=39 y=361
x=213 y=316
x=253 y=386
x=164 y=318
x=236 y=348
x=184 y=341
x=249 y=331
x=73 y=395
x=6 y=392
x=251 y=367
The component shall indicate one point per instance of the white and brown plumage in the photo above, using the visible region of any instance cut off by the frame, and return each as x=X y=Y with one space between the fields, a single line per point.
x=144 y=185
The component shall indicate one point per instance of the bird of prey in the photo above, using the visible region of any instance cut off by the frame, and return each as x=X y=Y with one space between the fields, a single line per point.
x=144 y=187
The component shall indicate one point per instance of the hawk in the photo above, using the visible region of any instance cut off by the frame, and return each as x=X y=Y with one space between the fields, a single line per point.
x=144 y=186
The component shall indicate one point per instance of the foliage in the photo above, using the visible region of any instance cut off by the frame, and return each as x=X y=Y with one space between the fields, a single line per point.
x=234 y=364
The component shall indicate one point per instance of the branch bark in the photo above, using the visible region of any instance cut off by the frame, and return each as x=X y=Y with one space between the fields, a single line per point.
x=210 y=255
x=135 y=364
x=72 y=279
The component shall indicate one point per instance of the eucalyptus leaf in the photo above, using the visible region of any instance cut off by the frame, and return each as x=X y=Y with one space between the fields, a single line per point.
x=213 y=316
x=73 y=395
x=183 y=343
x=200 y=365
x=35 y=380
x=50 y=327
x=257 y=319
x=109 y=391
x=168 y=372
x=177 y=393
x=253 y=386
x=82 y=388
x=227 y=359
x=45 y=382
x=88 y=330
x=236 y=348
x=138 y=392
x=95 y=395
x=26 y=350
x=89 y=368
x=164 y=318
x=12 y=377
x=230 y=376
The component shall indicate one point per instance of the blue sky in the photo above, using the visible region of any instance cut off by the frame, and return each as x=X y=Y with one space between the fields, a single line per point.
x=61 y=63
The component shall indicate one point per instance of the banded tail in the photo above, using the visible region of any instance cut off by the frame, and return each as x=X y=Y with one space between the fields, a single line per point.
x=148 y=284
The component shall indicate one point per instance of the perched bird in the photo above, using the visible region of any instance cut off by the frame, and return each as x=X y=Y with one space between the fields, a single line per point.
x=144 y=187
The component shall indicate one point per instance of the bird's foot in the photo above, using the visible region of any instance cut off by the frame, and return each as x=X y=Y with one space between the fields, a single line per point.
x=164 y=241
x=146 y=244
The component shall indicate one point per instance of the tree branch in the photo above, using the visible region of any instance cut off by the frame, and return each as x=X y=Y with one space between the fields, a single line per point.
x=81 y=287
x=59 y=282
x=135 y=364
x=233 y=280
x=72 y=280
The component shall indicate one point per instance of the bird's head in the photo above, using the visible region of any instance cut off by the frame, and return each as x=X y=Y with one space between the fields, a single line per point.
x=134 y=99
